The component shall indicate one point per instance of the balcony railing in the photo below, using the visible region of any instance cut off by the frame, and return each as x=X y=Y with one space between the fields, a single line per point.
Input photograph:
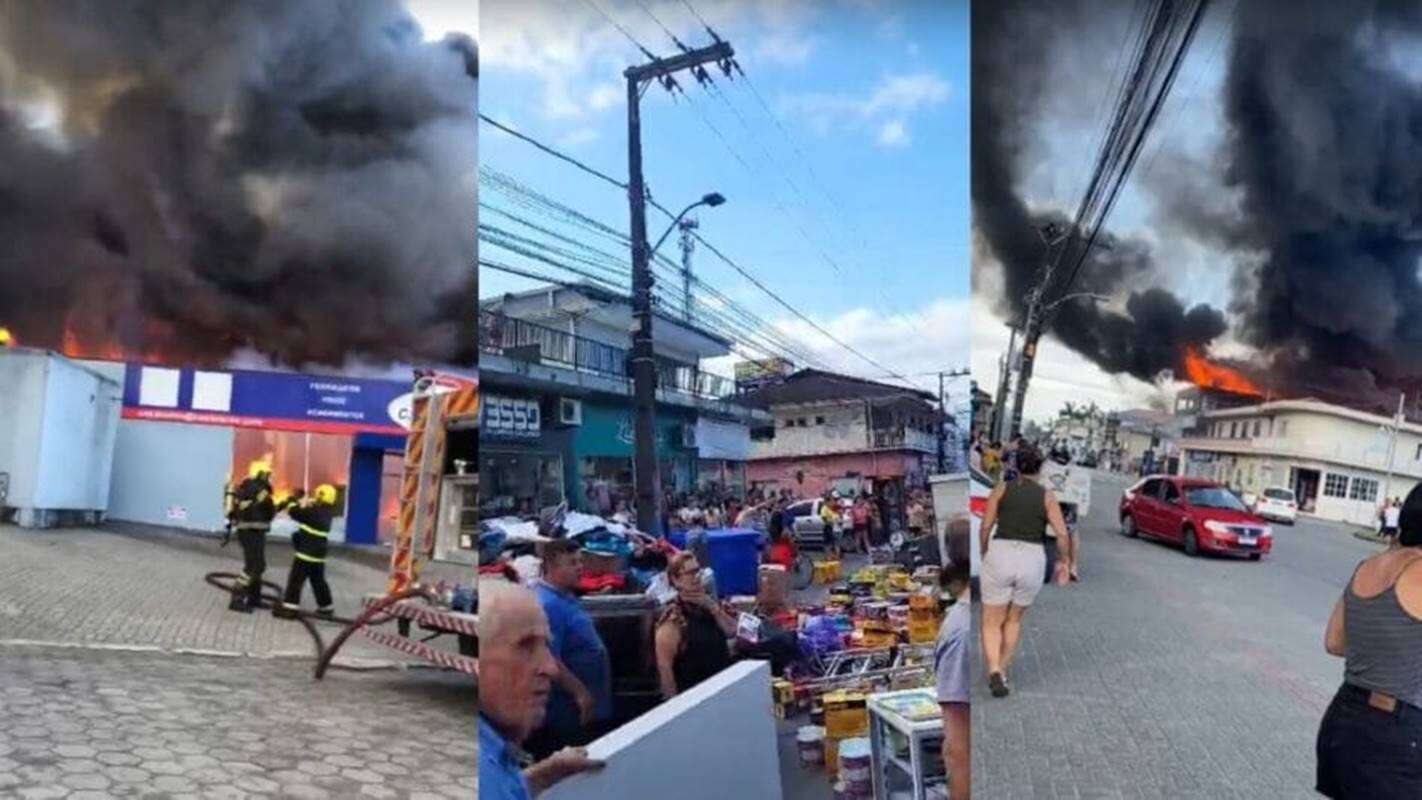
x=503 y=335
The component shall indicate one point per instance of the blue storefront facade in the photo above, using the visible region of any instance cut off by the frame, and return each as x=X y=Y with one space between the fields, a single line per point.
x=349 y=432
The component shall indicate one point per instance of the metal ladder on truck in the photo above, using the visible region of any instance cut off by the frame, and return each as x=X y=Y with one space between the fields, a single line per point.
x=441 y=403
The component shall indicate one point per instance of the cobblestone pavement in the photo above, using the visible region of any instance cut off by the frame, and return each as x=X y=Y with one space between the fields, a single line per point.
x=1164 y=676
x=144 y=587
x=84 y=724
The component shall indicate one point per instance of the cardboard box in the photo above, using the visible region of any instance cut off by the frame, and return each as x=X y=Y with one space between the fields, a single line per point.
x=846 y=715
x=774 y=584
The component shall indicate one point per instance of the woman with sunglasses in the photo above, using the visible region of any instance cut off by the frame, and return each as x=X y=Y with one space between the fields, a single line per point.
x=693 y=633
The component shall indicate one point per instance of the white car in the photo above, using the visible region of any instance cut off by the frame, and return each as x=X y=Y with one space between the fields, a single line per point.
x=1277 y=504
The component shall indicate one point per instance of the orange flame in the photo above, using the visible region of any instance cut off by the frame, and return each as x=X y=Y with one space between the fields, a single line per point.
x=1201 y=372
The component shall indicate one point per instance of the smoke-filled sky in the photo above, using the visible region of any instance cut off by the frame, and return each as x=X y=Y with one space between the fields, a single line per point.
x=203 y=178
x=1272 y=218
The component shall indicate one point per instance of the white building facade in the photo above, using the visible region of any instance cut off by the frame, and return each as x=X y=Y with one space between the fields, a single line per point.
x=1335 y=459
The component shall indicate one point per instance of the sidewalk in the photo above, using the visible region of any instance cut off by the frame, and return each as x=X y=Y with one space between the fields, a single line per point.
x=142 y=588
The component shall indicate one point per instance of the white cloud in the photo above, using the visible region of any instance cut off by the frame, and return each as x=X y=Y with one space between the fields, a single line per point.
x=605 y=96
x=785 y=48
x=577 y=57
x=893 y=134
x=1059 y=374
x=895 y=99
x=577 y=136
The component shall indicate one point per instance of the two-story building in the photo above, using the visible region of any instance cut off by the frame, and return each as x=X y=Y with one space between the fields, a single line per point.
x=1335 y=459
x=557 y=405
x=829 y=431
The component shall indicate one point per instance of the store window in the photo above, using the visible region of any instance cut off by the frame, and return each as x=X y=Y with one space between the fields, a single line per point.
x=300 y=461
x=519 y=482
x=1335 y=485
x=1364 y=489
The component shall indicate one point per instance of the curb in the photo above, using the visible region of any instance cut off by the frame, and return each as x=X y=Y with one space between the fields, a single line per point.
x=1369 y=537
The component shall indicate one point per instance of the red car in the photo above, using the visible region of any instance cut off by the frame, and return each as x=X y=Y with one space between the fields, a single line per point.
x=1200 y=515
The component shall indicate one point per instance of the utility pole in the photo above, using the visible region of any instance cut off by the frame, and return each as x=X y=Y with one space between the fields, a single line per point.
x=999 y=408
x=1392 y=446
x=1032 y=328
x=942 y=428
x=688 y=244
x=646 y=473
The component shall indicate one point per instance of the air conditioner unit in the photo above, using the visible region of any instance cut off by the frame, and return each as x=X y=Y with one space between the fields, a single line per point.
x=570 y=411
x=688 y=436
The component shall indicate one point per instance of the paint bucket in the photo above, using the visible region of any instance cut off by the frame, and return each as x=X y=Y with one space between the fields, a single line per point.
x=811 y=741
x=855 y=767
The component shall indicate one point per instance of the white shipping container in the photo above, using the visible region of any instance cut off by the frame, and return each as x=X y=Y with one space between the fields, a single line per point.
x=58 y=422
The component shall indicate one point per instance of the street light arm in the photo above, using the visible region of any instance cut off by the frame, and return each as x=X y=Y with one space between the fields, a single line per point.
x=713 y=199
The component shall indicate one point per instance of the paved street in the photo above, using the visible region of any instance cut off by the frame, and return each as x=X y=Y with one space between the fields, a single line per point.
x=83 y=724
x=143 y=587
x=122 y=674
x=1165 y=676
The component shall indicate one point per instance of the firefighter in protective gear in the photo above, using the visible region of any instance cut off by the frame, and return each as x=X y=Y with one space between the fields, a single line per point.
x=251 y=515
x=313 y=520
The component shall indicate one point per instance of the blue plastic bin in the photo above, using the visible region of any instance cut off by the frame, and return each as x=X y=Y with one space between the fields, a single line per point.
x=735 y=556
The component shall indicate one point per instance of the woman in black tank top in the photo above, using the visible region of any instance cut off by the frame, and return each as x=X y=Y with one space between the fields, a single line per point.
x=1370 y=740
x=693 y=632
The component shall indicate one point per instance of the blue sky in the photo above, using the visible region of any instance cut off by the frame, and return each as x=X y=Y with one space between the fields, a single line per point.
x=873 y=94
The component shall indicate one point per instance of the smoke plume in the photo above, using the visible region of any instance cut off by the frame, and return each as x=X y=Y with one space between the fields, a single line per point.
x=1313 y=200
x=193 y=179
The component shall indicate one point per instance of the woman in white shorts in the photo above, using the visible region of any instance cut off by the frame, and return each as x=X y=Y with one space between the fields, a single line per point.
x=1015 y=561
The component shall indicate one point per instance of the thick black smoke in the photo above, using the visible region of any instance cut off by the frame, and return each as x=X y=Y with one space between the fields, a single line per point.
x=195 y=178
x=1325 y=145
x=1014 y=68
x=1314 y=200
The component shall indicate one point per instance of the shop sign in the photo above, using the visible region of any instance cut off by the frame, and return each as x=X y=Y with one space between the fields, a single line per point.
x=271 y=400
x=507 y=416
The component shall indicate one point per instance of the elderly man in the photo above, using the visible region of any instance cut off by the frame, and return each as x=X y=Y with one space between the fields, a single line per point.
x=516 y=672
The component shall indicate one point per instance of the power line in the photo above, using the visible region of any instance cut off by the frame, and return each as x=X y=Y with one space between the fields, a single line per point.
x=550 y=151
x=717 y=252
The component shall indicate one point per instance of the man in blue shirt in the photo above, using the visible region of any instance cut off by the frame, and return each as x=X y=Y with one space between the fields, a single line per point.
x=951 y=662
x=516 y=671
x=581 y=696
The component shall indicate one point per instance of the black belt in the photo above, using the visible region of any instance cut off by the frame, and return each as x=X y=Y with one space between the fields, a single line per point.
x=1381 y=701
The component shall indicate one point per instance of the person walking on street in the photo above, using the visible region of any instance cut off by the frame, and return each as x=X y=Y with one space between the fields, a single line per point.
x=951 y=662
x=1014 y=561
x=1391 y=519
x=582 y=690
x=516 y=675
x=860 y=516
x=251 y=517
x=1370 y=739
x=308 y=556
x=830 y=519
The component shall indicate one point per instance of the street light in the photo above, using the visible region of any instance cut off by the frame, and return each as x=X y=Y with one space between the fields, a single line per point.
x=711 y=201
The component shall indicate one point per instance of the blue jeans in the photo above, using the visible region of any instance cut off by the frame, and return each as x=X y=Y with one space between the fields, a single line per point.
x=1367 y=753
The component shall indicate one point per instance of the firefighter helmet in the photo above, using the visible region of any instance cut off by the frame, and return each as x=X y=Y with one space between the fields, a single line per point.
x=258 y=469
x=325 y=493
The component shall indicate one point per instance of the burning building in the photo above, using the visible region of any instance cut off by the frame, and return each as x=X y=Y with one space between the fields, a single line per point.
x=1307 y=199
x=255 y=218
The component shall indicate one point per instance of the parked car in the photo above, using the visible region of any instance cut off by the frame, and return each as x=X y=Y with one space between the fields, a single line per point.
x=1200 y=515
x=808 y=528
x=1277 y=504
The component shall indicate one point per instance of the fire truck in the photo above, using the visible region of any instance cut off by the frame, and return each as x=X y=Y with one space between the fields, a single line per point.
x=434 y=557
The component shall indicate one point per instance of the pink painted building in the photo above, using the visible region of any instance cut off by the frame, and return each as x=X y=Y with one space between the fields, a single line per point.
x=833 y=431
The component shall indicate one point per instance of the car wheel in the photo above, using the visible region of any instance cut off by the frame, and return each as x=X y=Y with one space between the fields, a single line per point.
x=1255 y=556
x=1192 y=544
x=1128 y=526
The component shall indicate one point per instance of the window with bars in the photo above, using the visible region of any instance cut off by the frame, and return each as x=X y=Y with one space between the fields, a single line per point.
x=1335 y=486
x=1364 y=489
